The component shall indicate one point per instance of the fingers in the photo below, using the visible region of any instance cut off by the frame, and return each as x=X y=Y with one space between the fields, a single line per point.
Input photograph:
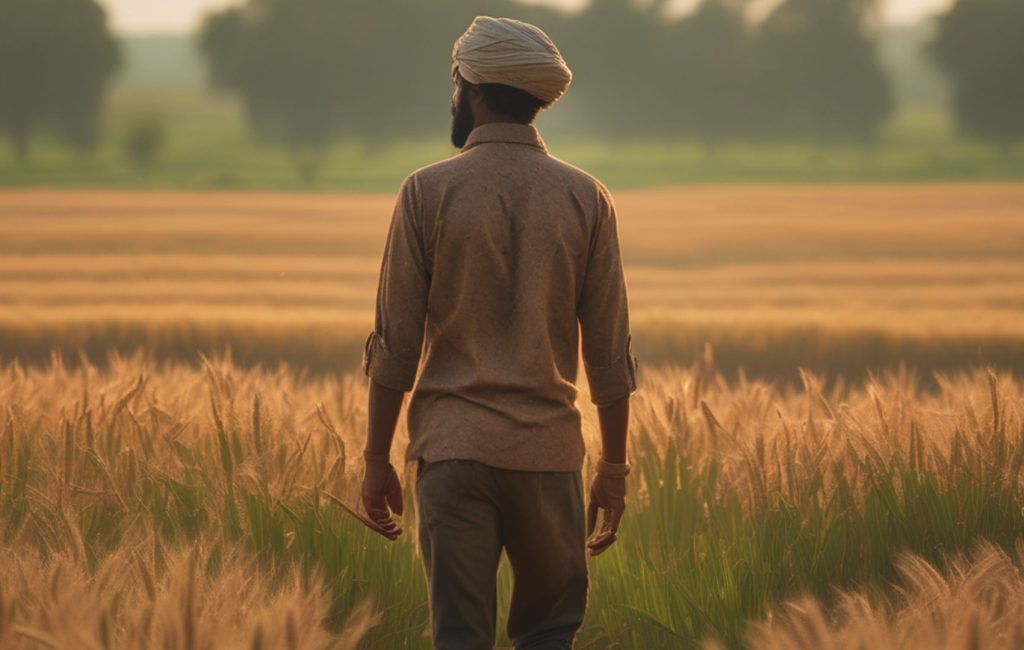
x=605 y=538
x=609 y=528
x=601 y=543
x=380 y=518
x=394 y=493
x=591 y=516
x=607 y=495
x=391 y=532
x=382 y=490
x=616 y=515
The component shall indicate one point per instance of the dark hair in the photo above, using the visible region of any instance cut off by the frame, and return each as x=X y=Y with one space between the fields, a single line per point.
x=516 y=103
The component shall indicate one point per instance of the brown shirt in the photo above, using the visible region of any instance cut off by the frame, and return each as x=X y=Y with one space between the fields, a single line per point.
x=501 y=255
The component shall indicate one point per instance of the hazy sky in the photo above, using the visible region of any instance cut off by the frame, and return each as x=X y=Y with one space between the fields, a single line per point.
x=170 y=16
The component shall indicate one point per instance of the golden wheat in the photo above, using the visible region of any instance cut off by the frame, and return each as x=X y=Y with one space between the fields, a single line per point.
x=176 y=272
x=142 y=597
x=84 y=449
x=978 y=604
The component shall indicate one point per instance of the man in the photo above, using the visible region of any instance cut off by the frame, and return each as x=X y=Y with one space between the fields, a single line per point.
x=500 y=257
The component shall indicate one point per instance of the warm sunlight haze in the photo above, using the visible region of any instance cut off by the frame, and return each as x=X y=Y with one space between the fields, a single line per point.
x=415 y=325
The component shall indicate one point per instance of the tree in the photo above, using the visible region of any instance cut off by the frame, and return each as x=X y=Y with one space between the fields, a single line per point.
x=619 y=73
x=312 y=71
x=709 y=55
x=143 y=141
x=980 y=47
x=817 y=71
x=56 y=59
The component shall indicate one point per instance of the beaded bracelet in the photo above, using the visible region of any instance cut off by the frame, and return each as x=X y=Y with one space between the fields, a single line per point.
x=612 y=470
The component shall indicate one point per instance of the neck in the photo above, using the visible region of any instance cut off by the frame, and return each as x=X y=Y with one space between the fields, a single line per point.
x=491 y=118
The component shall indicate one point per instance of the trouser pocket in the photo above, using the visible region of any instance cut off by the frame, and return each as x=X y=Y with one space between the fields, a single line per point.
x=419 y=468
x=422 y=467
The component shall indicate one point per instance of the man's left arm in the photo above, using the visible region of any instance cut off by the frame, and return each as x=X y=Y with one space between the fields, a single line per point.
x=392 y=352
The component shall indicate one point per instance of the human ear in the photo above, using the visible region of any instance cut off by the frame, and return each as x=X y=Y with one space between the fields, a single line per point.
x=476 y=96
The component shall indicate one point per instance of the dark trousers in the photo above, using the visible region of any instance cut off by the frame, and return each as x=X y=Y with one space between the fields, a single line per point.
x=469 y=512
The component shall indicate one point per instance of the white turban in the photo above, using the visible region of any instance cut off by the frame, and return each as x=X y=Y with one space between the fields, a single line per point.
x=514 y=53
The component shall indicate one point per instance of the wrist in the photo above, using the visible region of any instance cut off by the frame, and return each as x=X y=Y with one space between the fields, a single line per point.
x=612 y=470
x=376 y=456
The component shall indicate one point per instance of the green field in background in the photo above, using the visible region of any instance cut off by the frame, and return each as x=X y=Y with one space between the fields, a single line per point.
x=208 y=146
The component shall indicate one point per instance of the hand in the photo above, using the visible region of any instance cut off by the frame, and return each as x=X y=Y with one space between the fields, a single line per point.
x=381 y=489
x=609 y=494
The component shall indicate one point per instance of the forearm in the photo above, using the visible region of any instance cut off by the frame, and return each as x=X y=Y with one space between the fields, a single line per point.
x=614 y=422
x=383 y=405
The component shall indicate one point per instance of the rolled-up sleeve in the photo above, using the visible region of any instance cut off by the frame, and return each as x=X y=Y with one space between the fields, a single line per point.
x=603 y=311
x=392 y=350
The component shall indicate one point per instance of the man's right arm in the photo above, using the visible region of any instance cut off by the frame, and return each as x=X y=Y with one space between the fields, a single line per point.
x=610 y=366
x=614 y=421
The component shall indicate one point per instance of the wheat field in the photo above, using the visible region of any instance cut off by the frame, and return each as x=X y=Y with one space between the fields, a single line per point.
x=828 y=437
x=183 y=507
x=837 y=278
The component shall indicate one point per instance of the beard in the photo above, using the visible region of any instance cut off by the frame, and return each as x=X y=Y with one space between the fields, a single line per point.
x=462 y=120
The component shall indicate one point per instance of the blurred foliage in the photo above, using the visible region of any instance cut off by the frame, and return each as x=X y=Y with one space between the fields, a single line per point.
x=980 y=46
x=358 y=93
x=816 y=71
x=310 y=71
x=56 y=58
x=144 y=141
x=208 y=146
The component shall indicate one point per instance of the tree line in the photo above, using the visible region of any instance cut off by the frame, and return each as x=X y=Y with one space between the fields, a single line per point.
x=56 y=59
x=312 y=71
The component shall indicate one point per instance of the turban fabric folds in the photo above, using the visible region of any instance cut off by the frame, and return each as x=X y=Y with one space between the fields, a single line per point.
x=514 y=53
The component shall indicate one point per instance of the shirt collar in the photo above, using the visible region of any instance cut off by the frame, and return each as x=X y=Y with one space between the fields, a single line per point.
x=505 y=132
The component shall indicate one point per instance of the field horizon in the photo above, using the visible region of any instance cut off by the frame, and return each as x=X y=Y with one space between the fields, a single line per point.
x=839 y=278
